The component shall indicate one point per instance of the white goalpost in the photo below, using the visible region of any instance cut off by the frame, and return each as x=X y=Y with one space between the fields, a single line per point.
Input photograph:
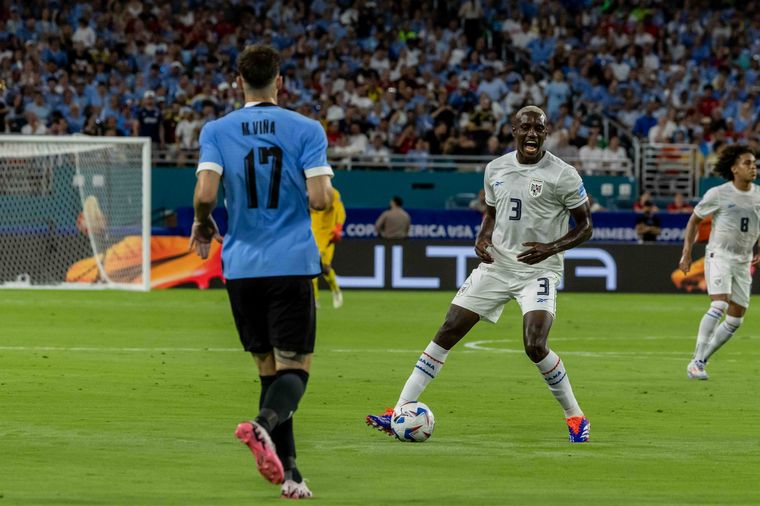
x=75 y=212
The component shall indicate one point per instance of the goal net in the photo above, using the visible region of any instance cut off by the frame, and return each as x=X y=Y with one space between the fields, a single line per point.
x=74 y=212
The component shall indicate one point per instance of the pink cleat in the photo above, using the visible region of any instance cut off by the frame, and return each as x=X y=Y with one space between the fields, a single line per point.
x=258 y=440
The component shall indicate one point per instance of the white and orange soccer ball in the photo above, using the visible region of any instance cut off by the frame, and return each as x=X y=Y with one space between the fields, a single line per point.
x=413 y=422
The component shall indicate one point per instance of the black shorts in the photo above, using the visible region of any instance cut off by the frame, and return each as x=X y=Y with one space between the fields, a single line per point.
x=276 y=312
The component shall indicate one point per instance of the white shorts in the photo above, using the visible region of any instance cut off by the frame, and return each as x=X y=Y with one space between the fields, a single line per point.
x=727 y=276
x=488 y=288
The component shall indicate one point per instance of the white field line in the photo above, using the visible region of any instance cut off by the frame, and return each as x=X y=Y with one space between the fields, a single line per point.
x=105 y=349
x=489 y=346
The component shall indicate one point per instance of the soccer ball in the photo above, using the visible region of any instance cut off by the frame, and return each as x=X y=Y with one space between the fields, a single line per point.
x=413 y=422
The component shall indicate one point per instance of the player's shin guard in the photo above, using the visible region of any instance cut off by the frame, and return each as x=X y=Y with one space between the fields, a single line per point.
x=282 y=398
x=427 y=368
x=555 y=375
x=723 y=334
x=707 y=327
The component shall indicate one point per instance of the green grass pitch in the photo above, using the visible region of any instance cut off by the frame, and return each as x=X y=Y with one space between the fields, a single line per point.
x=125 y=398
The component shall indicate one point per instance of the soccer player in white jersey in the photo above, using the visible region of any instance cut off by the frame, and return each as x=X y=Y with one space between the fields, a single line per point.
x=735 y=208
x=529 y=195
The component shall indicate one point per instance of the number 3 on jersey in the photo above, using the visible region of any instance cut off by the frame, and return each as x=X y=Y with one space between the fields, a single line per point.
x=515 y=209
x=265 y=154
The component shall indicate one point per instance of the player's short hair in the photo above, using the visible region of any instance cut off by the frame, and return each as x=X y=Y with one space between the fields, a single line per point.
x=258 y=65
x=398 y=201
x=530 y=108
x=728 y=157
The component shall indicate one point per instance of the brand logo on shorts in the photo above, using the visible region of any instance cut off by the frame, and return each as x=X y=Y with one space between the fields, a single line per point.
x=718 y=281
x=536 y=187
x=540 y=300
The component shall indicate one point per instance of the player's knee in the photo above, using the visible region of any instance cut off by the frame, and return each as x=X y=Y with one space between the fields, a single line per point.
x=287 y=359
x=718 y=308
x=535 y=342
x=536 y=350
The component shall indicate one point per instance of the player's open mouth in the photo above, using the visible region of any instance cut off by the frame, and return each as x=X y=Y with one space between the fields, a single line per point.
x=531 y=147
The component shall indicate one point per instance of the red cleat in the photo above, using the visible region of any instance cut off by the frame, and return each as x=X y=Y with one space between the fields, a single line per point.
x=258 y=440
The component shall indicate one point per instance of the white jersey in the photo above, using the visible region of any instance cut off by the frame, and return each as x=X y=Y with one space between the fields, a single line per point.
x=736 y=219
x=532 y=205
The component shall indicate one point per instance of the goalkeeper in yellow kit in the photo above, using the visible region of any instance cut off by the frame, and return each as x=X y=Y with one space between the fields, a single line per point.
x=327 y=226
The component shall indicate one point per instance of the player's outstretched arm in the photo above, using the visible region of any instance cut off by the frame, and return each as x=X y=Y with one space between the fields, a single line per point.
x=483 y=241
x=689 y=236
x=581 y=232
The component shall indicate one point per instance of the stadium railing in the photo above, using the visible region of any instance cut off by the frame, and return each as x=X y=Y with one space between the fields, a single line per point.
x=417 y=163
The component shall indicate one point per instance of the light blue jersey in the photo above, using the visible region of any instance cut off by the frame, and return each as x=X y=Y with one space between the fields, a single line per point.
x=264 y=154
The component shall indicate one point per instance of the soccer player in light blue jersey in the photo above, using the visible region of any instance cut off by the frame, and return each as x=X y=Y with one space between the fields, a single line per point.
x=273 y=165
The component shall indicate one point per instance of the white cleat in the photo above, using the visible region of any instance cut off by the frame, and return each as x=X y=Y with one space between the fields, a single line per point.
x=337 y=299
x=696 y=370
x=293 y=490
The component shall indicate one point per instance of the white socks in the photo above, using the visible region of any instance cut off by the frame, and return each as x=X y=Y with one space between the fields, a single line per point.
x=431 y=361
x=427 y=367
x=553 y=371
x=707 y=326
x=723 y=334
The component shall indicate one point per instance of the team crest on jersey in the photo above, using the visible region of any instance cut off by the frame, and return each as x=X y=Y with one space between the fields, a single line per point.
x=536 y=187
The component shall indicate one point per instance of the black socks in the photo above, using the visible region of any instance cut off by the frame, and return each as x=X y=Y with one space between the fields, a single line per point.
x=279 y=399
x=282 y=397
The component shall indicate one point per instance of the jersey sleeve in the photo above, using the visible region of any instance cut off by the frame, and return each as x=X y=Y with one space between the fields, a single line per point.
x=210 y=157
x=570 y=190
x=709 y=204
x=314 y=157
x=490 y=197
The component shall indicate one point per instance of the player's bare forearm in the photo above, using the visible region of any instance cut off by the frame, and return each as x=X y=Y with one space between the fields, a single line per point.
x=483 y=241
x=320 y=192
x=689 y=237
x=581 y=232
x=204 y=200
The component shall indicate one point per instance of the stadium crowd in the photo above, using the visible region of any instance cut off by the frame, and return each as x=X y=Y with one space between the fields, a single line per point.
x=418 y=78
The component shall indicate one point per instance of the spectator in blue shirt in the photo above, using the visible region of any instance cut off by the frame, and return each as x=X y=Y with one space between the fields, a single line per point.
x=645 y=122
x=492 y=86
x=557 y=93
x=74 y=118
x=541 y=48
x=39 y=108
